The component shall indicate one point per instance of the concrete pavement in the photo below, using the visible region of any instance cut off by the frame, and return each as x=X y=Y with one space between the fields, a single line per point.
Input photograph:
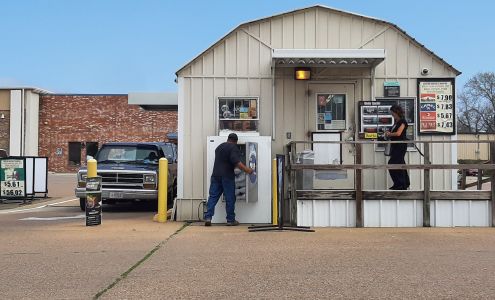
x=48 y=253
x=231 y=263
x=63 y=259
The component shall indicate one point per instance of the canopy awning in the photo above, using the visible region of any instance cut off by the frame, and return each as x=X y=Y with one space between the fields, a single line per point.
x=328 y=57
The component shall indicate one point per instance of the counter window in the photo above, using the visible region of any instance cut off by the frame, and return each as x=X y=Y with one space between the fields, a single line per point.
x=238 y=113
x=330 y=110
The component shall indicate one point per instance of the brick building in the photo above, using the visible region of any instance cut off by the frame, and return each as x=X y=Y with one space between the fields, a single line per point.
x=73 y=126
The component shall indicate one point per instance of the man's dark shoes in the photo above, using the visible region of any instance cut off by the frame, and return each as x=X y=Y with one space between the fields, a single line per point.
x=233 y=223
x=207 y=222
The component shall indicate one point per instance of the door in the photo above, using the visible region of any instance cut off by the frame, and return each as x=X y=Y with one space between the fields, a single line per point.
x=331 y=118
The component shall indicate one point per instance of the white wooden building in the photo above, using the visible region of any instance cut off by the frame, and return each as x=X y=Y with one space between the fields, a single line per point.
x=350 y=56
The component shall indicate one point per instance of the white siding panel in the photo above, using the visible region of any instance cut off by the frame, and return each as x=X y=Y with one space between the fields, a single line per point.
x=406 y=213
x=345 y=32
x=208 y=66
x=197 y=140
x=15 y=123
x=321 y=214
x=276 y=33
x=402 y=56
x=254 y=57
x=265 y=124
x=219 y=59
x=305 y=213
x=197 y=66
x=371 y=213
x=231 y=55
x=242 y=53
x=391 y=46
x=333 y=31
x=243 y=87
x=299 y=31
x=390 y=213
x=326 y=213
x=321 y=29
x=310 y=29
x=288 y=32
x=480 y=213
x=356 y=32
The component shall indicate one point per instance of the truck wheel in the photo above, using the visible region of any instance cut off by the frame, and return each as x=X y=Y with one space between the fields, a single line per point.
x=82 y=203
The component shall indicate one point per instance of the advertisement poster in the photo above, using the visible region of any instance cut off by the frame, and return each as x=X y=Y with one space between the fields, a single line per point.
x=93 y=201
x=375 y=117
x=436 y=106
x=13 y=178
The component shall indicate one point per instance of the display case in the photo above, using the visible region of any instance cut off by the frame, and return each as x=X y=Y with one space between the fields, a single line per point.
x=238 y=114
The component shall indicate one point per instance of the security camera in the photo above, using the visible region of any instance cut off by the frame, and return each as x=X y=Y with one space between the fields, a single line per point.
x=425 y=71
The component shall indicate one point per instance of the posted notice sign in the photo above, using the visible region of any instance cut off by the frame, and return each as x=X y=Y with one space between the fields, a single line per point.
x=13 y=178
x=436 y=111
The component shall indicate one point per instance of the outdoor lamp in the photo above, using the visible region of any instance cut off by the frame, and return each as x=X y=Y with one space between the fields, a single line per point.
x=302 y=73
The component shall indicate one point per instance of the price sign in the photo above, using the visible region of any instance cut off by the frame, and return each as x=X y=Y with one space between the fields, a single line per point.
x=13 y=178
x=436 y=103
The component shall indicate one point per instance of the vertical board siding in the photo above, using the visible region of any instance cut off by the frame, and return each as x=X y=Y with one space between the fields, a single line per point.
x=237 y=63
x=389 y=213
x=460 y=213
x=326 y=213
x=299 y=31
x=310 y=29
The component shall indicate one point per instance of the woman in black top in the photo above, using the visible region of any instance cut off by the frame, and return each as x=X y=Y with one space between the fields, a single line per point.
x=398 y=151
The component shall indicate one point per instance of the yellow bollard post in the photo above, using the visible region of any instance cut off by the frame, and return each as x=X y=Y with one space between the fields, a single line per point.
x=92 y=166
x=162 y=190
x=274 y=193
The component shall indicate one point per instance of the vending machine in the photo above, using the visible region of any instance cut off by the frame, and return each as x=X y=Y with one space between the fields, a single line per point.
x=253 y=191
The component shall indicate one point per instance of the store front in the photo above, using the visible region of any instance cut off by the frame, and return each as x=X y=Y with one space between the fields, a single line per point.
x=314 y=74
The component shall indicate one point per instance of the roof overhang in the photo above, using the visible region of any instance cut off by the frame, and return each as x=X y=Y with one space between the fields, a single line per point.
x=153 y=98
x=328 y=57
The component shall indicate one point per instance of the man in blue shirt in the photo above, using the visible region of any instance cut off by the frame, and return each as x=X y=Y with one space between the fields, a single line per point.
x=227 y=158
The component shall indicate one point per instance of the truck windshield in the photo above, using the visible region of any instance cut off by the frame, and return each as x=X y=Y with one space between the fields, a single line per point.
x=128 y=154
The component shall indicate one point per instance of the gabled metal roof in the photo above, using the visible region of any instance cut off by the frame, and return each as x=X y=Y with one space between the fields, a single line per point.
x=331 y=9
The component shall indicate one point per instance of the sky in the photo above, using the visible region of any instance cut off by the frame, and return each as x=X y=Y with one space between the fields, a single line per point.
x=122 y=46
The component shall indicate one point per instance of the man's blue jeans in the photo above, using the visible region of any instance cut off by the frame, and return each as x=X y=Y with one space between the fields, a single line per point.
x=219 y=185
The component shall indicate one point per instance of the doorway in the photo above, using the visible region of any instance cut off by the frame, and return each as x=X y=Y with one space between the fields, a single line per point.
x=331 y=118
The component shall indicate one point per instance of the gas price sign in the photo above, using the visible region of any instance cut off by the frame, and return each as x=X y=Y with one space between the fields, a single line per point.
x=13 y=178
x=436 y=106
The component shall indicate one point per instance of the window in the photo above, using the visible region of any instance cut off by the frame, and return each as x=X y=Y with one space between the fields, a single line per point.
x=91 y=148
x=75 y=153
x=330 y=110
x=238 y=113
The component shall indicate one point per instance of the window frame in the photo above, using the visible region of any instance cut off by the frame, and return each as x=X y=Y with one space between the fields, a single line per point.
x=344 y=112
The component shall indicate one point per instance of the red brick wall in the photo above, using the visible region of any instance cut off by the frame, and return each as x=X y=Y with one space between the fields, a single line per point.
x=95 y=118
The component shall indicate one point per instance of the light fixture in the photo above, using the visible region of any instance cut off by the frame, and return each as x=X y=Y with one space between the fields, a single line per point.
x=302 y=73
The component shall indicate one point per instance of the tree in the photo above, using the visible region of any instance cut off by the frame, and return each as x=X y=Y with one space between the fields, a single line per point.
x=476 y=104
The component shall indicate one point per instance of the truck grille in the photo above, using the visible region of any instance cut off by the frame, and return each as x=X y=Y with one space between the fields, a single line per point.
x=122 y=180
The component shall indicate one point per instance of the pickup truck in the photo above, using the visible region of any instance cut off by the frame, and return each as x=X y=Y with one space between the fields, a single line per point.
x=129 y=172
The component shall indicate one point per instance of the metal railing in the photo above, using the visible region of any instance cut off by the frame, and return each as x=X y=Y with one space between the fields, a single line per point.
x=358 y=194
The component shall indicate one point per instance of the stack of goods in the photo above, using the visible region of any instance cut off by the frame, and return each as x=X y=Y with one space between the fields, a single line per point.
x=240 y=185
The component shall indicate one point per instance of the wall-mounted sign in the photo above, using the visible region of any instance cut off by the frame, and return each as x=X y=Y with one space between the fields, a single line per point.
x=13 y=178
x=93 y=201
x=375 y=117
x=436 y=106
x=391 y=89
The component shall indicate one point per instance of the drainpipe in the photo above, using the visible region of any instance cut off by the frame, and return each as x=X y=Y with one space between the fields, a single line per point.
x=372 y=83
x=274 y=123
x=23 y=123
